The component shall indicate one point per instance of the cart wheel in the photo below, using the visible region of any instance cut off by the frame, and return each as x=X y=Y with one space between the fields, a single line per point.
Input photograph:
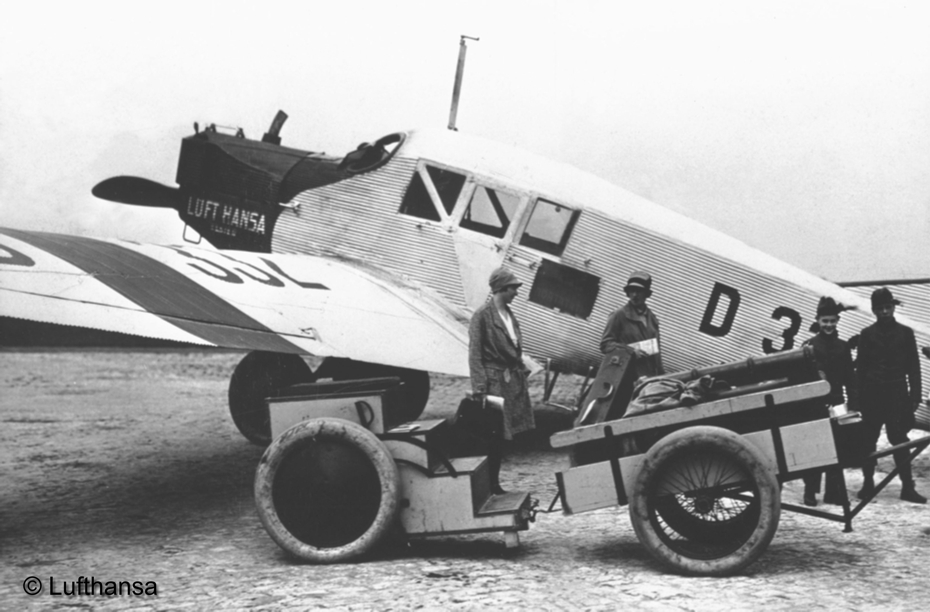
x=327 y=490
x=259 y=375
x=705 y=502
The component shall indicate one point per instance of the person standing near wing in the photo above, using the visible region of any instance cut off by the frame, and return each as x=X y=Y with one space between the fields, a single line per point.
x=834 y=360
x=634 y=325
x=495 y=362
x=890 y=389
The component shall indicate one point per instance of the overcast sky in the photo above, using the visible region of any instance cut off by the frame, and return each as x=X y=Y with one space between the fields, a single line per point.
x=801 y=130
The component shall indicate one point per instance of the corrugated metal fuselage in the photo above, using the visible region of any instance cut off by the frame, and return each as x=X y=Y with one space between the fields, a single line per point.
x=714 y=304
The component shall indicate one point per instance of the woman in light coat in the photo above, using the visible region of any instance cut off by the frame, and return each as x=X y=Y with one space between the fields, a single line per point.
x=495 y=359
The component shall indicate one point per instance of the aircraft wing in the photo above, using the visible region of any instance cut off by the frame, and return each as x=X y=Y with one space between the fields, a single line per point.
x=255 y=301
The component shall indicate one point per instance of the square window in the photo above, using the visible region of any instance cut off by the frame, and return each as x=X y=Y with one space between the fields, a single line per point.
x=549 y=228
x=490 y=211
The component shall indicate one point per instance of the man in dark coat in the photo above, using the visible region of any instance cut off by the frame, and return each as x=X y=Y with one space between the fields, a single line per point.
x=634 y=323
x=890 y=388
x=834 y=360
x=495 y=361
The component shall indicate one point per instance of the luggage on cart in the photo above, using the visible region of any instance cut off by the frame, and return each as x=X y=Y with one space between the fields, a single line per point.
x=609 y=394
x=606 y=400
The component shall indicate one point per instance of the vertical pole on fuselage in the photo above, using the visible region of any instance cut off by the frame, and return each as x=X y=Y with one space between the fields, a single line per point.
x=457 y=88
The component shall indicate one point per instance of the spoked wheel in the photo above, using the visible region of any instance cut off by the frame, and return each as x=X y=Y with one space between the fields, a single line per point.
x=327 y=490
x=708 y=513
x=705 y=502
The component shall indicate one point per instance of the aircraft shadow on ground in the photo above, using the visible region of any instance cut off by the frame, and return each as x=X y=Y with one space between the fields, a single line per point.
x=190 y=487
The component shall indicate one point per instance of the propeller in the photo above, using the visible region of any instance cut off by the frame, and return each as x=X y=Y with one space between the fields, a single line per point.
x=137 y=191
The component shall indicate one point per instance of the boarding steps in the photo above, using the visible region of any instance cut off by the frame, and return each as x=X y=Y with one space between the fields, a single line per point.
x=442 y=495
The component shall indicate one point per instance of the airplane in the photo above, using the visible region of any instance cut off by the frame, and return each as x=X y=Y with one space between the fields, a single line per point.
x=375 y=260
x=913 y=293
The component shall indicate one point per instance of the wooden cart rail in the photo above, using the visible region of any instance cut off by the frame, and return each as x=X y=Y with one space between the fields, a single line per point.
x=693 y=414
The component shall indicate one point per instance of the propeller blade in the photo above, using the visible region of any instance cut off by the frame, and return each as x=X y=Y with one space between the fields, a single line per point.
x=137 y=191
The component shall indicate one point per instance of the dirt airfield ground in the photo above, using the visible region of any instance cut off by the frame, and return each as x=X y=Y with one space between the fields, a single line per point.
x=125 y=466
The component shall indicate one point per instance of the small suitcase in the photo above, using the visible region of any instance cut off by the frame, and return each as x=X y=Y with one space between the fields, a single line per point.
x=606 y=400
x=609 y=394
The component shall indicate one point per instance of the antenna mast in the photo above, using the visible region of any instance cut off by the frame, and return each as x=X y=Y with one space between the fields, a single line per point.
x=457 y=89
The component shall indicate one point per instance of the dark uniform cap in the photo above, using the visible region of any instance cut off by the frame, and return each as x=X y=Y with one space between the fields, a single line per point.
x=883 y=296
x=501 y=278
x=639 y=280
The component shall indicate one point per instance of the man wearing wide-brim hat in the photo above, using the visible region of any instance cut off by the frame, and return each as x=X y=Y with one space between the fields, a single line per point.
x=888 y=369
x=633 y=324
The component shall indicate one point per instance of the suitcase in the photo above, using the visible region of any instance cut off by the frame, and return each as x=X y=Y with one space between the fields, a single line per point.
x=606 y=400
x=609 y=394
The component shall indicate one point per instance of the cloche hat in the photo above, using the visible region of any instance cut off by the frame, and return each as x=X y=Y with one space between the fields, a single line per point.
x=639 y=280
x=501 y=278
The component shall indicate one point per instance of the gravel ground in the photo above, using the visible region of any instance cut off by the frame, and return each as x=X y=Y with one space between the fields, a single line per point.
x=126 y=466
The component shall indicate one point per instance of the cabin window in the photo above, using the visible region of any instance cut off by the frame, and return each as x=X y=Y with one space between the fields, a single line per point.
x=448 y=185
x=417 y=202
x=549 y=227
x=565 y=289
x=490 y=211
x=425 y=187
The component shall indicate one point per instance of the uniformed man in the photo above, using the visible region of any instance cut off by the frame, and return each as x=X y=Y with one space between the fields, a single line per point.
x=890 y=388
x=834 y=360
x=633 y=324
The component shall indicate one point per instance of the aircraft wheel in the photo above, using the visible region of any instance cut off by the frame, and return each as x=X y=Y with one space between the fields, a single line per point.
x=258 y=376
x=705 y=502
x=416 y=382
x=327 y=490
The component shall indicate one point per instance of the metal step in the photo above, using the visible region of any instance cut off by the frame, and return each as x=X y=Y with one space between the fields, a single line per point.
x=506 y=503
x=462 y=465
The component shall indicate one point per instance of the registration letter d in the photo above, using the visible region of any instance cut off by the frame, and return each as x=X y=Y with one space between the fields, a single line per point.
x=707 y=325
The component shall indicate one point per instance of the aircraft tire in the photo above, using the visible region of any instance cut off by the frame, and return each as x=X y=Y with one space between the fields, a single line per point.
x=416 y=382
x=327 y=490
x=705 y=502
x=258 y=376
